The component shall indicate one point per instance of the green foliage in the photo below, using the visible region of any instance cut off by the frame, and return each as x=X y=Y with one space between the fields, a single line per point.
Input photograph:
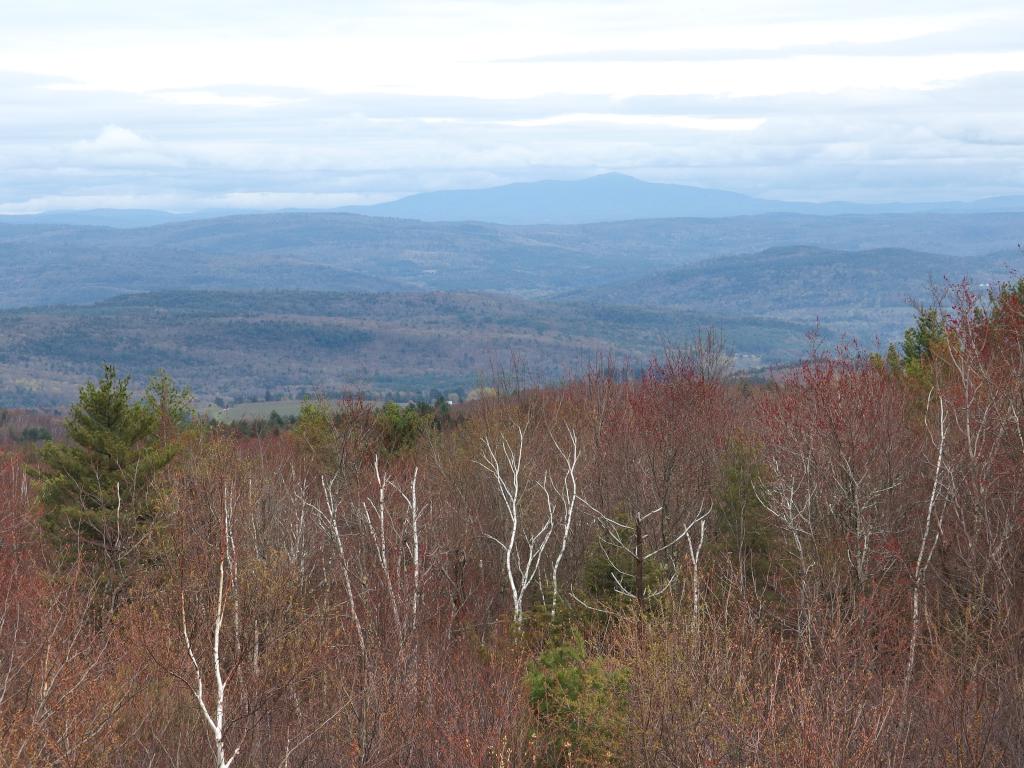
x=913 y=359
x=1007 y=303
x=34 y=435
x=743 y=530
x=919 y=340
x=400 y=427
x=96 y=489
x=920 y=343
x=171 y=404
x=442 y=413
x=892 y=360
x=314 y=425
x=598 y=583
x=273 y=424
x=543 y=627
x=314 y=429
x=579 y=704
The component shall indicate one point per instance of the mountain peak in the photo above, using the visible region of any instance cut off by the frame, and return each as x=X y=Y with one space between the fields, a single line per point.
x=613 y=176
x=616 y=196
x=612 y=196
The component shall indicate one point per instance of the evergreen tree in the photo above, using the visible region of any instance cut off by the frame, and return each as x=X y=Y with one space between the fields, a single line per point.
x=171 y=405
x=920 y=340
x=96 y=488
x=400 y=427
x=920 y=343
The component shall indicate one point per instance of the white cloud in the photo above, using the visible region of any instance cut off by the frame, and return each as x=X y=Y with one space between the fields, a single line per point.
x=213 y=98
x=113 y=138
x=687 y=122
x=242 y=103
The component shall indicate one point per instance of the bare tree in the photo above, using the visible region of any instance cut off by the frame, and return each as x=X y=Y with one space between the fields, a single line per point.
x=694 y=546
x=930 y=534
x=522 y=547
x=396 y=537
x=395 y=541
x=561 y=501
x=790 y=498
x=630 y=539
x=705 y=354
x=327 y=510
x=212 y=707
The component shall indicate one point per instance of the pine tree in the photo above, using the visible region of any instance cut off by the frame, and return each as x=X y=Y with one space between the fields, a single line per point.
x=96 y=489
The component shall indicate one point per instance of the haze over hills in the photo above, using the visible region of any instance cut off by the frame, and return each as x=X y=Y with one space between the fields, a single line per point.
x=864 y=294
x=618 y=197
x=121 y=218
x=606 y=197
x=386 y=305
x=54 y=264
x=620 y=287
x=238 y=344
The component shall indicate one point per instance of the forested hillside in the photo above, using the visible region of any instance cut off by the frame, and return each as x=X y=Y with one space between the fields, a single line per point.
x=865 y=294
x=452 y=298
x=671 y=567
x=49 y=264
x=236 y=345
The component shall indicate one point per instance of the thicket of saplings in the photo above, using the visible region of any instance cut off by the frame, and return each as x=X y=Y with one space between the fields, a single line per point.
x=673 y=569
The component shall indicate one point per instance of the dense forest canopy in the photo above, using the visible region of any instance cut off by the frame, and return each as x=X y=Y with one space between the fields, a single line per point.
x=665 y=568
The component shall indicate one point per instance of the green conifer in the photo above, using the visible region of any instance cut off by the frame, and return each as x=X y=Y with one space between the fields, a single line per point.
x=96 y=488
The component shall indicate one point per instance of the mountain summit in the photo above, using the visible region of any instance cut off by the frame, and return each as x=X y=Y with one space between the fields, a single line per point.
x=605 y=198
x=608 y=197
x=618 y=197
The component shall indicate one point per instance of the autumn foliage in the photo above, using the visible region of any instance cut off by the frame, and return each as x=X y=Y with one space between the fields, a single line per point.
x=671 y=567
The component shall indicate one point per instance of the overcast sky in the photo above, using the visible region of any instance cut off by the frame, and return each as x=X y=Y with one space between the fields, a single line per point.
x=251 y=103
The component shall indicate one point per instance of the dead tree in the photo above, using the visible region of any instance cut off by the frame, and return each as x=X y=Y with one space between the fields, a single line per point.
x=521 y=546
x=930 y=534
x=377 y=535
x=694 y=546
x=212 y=707
x=396 y=540
x=630 y=539
x=327 y=511
x=562 y=498
x=790 y=498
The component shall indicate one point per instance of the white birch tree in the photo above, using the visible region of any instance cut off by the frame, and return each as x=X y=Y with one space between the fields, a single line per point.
x=523 y=541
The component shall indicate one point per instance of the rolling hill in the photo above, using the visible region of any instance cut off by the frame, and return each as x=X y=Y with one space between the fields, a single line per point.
x=866 y=293
x=299 y=301
x=237 y=345
x=57 y=264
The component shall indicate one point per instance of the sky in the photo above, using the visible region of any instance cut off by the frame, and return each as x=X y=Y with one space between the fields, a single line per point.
x=187 y=104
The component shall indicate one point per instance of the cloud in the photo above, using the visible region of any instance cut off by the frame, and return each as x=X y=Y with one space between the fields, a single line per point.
x=205 y=98
x=686 y=122
x=338 y=102
x=113 y=138
x=986 y=32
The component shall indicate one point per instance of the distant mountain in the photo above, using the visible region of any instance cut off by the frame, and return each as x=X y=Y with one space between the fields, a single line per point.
x=617 y=197
x=415 y=305
x=610 y=197
x=55 y=264
x=119 y=218
x=862 y=293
